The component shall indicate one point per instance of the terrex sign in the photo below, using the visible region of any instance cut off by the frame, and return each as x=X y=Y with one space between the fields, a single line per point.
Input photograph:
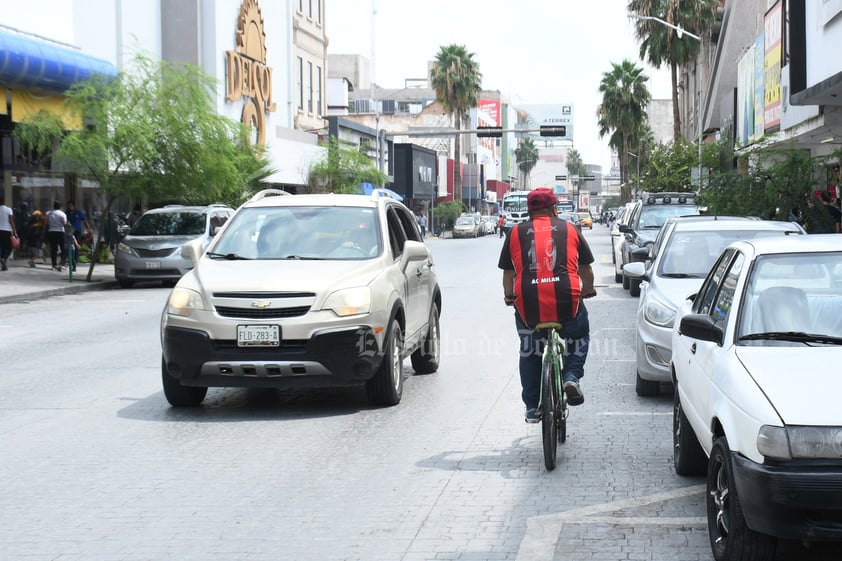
x=248 y=76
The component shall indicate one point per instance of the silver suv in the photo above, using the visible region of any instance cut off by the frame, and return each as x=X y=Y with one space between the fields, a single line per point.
x=304 y=291
x=151 y=250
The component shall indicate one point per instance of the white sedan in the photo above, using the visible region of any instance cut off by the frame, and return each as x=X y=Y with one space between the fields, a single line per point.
x=757 y=366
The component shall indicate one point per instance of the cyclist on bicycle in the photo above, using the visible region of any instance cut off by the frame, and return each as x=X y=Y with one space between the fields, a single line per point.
x=546 y=273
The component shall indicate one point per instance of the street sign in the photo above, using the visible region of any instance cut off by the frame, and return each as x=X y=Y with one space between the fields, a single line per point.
x=560 y=177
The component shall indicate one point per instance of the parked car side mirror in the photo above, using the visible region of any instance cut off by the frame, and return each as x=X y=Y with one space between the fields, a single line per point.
x=625 y=229
x=636 y=270
x=702 y=327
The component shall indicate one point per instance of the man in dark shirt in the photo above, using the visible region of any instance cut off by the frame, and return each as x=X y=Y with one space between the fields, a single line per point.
x=547 y=272
x=835 y=214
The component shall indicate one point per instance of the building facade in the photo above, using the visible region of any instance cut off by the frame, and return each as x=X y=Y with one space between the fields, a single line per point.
x=250 y=48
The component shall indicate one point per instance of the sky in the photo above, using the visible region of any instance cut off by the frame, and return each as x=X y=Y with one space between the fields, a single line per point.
x=532 y=51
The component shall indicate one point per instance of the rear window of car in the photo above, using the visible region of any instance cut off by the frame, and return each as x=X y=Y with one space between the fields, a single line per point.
x=176 y=223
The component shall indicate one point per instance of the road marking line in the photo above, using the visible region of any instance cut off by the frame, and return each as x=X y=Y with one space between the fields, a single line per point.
x=542 y=532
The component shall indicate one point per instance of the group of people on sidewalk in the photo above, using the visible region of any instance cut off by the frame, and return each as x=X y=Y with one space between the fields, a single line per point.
x=61 y=230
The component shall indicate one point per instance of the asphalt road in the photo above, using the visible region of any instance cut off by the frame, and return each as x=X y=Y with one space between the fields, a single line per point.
x=96 y=465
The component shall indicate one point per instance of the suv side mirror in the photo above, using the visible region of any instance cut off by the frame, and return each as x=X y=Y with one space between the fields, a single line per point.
x=625 y=229
x=414 y=251
x=192 y=251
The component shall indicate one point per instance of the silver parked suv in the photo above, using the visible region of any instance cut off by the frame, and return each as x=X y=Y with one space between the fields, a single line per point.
x=151 y=251
x=304 y=290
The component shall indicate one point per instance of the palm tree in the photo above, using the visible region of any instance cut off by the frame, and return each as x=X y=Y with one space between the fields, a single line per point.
x=456 y=78
x=622 y=112
x=661 y=44
x=527 y=158
x=576 y=169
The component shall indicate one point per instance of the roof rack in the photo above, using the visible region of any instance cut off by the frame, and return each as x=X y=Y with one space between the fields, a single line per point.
x=268 y=193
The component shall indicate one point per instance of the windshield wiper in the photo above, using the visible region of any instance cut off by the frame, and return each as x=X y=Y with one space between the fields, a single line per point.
x=677 y=275
x=795 y=336
x=228 y=256
x=299 y=257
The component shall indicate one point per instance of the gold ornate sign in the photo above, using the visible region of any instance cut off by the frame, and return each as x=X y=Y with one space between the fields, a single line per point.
x=248 y=76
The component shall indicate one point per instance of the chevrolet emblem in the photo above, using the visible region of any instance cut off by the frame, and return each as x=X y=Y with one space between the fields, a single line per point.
x=260 y=304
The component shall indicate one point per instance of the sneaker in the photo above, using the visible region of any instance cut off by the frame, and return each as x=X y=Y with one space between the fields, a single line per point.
x=532 y=416
x=3 y=265
x=574 y=393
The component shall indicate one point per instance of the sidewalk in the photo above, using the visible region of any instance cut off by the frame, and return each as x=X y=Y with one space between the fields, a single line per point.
x=21 y=283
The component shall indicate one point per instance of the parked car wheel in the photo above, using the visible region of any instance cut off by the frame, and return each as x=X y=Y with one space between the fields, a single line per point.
x=646 y=388
x=126 y=283
x=425 y=359
x=618 y=277
x=178 y=395
x=625 y=280
x=688 y=457
x=386 y=387
x=730 y=538
x=634 y=287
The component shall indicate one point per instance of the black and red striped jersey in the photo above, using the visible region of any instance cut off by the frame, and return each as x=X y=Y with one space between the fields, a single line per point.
x=546 y=253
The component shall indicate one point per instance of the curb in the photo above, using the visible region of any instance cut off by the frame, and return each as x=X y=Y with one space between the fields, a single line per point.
x=83 y=286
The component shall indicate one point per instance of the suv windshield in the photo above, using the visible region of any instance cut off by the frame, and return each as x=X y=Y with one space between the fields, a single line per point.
x=176 y=223
x=299 y=232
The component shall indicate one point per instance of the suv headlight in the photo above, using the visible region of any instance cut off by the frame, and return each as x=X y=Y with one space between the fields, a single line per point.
x=800 y=442
x=183 y=301
x=349 y=301
x=658 y=313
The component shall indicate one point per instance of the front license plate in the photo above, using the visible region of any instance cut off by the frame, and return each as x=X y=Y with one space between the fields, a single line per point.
x=153 y=265
x=258 y=335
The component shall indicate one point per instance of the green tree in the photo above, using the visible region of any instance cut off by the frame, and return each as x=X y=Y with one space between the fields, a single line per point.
x=773 y=183
x=445 y=214
x=622 y=112
x=457 y=81
x=151 y=132
x=661 y=44
x=526 y=155
x=342 y=169
x=668 y=166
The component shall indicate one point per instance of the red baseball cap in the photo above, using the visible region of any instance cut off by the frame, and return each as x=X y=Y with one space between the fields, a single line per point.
x=539 y=198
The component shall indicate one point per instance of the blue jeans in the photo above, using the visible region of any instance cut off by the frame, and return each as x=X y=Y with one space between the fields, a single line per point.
x=575 y=332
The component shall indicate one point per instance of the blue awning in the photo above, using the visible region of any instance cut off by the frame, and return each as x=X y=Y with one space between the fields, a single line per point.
x=31 y=64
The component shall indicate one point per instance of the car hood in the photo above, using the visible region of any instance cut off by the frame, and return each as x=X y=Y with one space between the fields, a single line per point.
x=802 y=383
x=157 y=242
x=284 y=275
x=674 y=291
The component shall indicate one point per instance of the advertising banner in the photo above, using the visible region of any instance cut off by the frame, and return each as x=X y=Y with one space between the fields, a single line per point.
x=773 y=30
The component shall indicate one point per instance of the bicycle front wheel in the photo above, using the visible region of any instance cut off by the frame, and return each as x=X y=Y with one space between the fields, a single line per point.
x=549 y=412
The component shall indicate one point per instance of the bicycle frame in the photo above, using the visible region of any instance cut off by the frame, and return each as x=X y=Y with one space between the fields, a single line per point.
x=552 y=400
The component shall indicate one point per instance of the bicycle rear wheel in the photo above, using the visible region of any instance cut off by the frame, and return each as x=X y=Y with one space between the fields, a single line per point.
x=549 y=412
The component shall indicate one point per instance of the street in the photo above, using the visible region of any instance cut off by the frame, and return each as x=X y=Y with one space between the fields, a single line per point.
x=97 y=466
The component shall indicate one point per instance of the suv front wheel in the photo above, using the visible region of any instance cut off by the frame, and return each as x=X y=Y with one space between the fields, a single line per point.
x=386 y=387
x=425 y=359
x=178 y=395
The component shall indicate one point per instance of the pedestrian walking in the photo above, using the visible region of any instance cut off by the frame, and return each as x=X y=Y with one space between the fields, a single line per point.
x=422 y=222
x=7 y=232
x=501 y=223
x=56 y=222
x=37 y=225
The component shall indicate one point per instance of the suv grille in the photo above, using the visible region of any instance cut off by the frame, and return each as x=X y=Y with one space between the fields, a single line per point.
x=266 y=313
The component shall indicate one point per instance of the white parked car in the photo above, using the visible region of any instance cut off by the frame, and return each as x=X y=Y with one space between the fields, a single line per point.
x=304 y=290
x=678 y=262
x=757 y=361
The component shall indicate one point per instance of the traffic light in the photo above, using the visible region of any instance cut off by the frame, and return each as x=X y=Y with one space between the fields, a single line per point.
x=489 y=132
x=554 y=130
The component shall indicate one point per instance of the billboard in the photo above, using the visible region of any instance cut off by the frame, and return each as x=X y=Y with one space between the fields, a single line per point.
x=773 y=31
x=550 y=114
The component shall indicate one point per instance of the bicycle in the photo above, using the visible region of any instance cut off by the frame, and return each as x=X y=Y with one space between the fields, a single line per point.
x=552 y=403
x=552 y=400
